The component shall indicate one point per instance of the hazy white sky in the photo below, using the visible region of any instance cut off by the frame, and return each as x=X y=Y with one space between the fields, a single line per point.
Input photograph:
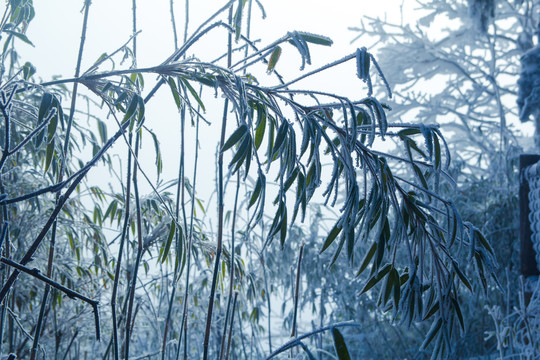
x=56 y=29
x=56 y=32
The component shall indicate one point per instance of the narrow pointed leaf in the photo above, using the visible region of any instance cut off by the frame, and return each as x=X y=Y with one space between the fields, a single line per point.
x=331 y=236
x=274 y=59
x=339 y=343
x=235 y=137
x=169 y=242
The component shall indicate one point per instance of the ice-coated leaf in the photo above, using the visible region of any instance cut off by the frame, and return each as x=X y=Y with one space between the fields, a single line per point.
x=241 y=153
x=339 y=344
x=20 y=36
x=435 y=327
x=316 y=39
x=331 y=236
x=172 y=230
x=235 y=137
x=193 y=93
x=257 y=191
x=462 y=276
x=28 y=70
x=238 y=19
x=367 y=258
x=174 y=91
x=280 y=137
x=132 y=107
x=49 y=155
x=376 y=278
x=44 y=108
x=274 y=59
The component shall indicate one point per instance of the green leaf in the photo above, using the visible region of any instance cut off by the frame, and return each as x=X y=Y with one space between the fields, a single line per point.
x=102 y=130
x=387 y=287
x=432 y=311
x=261 y=128
x=420 y=175
x=283 y=234
x=174 y=91
x=28 y=70
x=274 y=59
x=407 y=132
x=331 y=236
x=167 y=247
x=133 y=104
x=437 y=150
x=462 y=276
x=238 y=19
x=44 y=108
x=435 y=327
x=483 y=241
x=193 y=93
x=280 y=137
x=53 y=123
x=458 y=313
x=316 y=39
x=159 y=162
x=19 y=36
x=367 y=258
x=376 y=278
x=290 y=179
x=241 y=153
x=235 y=137
x=49 y=155
x=397 y=286
x=340 y=346
x=257 y=190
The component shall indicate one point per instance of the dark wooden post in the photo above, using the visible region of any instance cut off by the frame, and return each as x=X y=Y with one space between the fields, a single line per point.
x=527 y=253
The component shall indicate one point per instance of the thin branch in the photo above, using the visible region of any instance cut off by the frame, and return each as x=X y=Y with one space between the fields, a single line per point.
x=70 y=293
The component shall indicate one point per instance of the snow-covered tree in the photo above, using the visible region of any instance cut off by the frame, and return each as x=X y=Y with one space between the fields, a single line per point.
x=458 y=67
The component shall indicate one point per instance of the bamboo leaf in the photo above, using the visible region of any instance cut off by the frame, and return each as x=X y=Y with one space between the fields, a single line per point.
x=28 y=70
x=458 y=313
x=397 y=286
x=132 y=107
x=432 y=311
x=238 y=19
x=339 y=343
x=241 y=153
x=261 y=128
x=331 y=236
x=274 y=59
x=315 y=39
x=235 y=137
x=283 y=227
x=20 y=36
x=53 y=122
x=376 y=278
x=168 y=243
x=407 y=132
x=49 y=155
x=174 y=91
x=193 y=93
x=256 y=191
x=435 y=327
x=483 y=240
x=462 y=276
x=44 y=108
x=280 y=138
x=367 y=258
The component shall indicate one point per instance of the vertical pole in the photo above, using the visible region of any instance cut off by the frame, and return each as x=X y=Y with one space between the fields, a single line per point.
x=527 y=253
